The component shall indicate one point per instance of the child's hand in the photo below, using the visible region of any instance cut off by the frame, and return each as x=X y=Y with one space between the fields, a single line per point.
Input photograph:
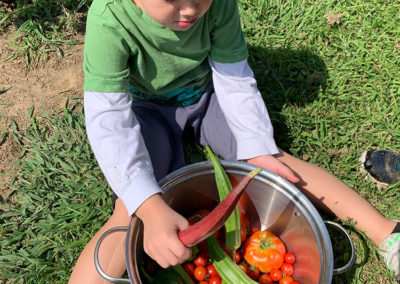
x=161 y=226
x=271 y=163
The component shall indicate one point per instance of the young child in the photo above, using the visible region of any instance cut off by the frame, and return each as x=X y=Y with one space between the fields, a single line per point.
x=184 y=63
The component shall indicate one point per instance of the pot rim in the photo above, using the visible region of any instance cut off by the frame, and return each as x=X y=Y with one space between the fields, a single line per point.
x=294 y=194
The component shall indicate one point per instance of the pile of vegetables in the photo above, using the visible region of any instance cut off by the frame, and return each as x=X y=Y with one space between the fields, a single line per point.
x=261 y=257
x=237 y=252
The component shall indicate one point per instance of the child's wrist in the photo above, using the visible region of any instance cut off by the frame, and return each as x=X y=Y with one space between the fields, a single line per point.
x=146 y=209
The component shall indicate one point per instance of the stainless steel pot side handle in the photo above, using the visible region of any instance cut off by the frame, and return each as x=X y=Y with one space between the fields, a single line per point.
x=339 y=270
x=348 y=265
x=96 y=257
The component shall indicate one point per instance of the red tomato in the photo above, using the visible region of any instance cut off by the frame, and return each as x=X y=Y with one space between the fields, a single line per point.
x=200 y=273
x=238 y=256
x=294 y=282
x=215 y=280
x=254 y=229
x=189 y=268
x=275 y=274
x=200 y=260
x=203 y=282
x=287 y=268
x=286 y=280
x=264 y=250
x=211 y=271
x=253 y=272
x=265 y=279
x=290 y=258
x=243 y=267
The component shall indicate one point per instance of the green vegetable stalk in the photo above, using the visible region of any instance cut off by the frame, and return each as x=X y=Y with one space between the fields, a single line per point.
x=225 y=266
x=224 y=186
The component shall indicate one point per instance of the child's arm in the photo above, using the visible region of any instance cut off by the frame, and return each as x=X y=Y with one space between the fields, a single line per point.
x=247 y=116
x=116 y=140
x=115 y=136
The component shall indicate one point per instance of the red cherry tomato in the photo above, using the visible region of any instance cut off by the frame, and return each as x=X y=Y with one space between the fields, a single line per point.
x=189 y=268
x=287 y=268
x=200 y=273
x=286 y=280
x=254 y=229
x=215 y=280
x=203 y=282
x=294 y=282
x=200 y=260
x=253 y=272
x=275 y=274
x=223 y=245
x=265 y=279
x=243 y=267
x=211 y=271
x=289 y=257
x=238 y=256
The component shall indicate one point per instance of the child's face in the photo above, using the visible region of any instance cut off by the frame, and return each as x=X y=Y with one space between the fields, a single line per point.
x=178 y=15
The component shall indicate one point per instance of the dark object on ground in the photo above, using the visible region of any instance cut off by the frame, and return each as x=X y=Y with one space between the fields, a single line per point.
x=382 y=166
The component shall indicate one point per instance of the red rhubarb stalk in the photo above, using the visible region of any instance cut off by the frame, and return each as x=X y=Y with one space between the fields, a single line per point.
x=217 y=217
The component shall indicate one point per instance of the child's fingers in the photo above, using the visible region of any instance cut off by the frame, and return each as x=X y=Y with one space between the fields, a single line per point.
x=180 y=250
x=166 y=259
x=288 y=174
x=271 y=163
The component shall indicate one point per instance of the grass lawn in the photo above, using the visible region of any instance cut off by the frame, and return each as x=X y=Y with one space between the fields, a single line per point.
x=329 y=73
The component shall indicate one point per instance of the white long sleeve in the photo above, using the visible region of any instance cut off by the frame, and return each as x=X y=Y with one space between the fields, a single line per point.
x=243 y=108
x=116 y=140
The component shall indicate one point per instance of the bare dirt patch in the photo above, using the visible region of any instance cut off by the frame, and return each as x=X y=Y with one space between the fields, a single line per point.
x=44 y=85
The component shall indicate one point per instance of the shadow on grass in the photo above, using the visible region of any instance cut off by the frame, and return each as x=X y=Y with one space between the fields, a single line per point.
x=340 y=250
x=287 y=76
x=284 y=77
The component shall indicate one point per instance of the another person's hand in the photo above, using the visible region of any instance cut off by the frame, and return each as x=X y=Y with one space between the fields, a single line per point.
x=272 y=164
x=161 y=227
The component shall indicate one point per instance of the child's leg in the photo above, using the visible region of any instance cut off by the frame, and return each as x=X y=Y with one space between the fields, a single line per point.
x=321 y=187
x=325 y=190
x=111 y=252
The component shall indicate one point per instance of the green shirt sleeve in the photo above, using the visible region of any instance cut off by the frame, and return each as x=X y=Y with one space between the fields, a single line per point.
x=105 y=56
x=228 y=44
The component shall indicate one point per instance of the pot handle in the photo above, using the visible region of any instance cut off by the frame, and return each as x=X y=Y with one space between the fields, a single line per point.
x=348 y=265
x=96 y=257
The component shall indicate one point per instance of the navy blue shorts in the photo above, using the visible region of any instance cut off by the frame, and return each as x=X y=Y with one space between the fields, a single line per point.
x=163 y=128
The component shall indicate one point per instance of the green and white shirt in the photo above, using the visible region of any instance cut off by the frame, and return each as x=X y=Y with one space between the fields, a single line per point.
x=126 y=53
x=124 y=47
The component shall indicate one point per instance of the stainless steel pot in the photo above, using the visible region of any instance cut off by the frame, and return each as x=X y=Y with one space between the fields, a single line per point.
x=273 y=203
